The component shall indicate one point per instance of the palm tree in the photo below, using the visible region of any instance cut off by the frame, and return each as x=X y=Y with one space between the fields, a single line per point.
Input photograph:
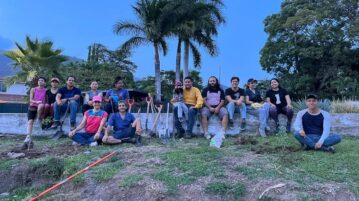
x=153 y=26
x=37 y=58
x=196 y=21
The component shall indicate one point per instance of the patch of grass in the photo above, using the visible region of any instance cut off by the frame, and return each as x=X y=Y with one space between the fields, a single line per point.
x=130 y=181
x=106 y=172
x=173 y=181
x=220 y=188
x=25 y=193
x=184 y=166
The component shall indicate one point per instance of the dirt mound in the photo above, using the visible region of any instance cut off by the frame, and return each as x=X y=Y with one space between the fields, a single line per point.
x=31 y=175
x=60 y=150
x=246 y=140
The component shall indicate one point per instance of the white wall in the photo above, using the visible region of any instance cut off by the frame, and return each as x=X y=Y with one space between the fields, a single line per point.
x=17 y=89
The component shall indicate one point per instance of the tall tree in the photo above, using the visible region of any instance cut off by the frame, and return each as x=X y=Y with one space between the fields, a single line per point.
x=195 y=21
x=35 y=59
x=153 y=26
x=313 y=47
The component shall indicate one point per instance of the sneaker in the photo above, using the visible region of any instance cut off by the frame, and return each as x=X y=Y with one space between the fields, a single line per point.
x=288 y=127
x=231 y=123
x=93 y=144
x=27 y=139
x=188 y=135
x=243 y=125
x=55 y=125
x=262 y=132
x=330 y=149
x=75 y=143
x=207 y=136
x=73 y=126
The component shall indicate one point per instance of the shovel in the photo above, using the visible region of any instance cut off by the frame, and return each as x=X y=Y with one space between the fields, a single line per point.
x=153 y=132
x=165 y=137
x=148 y=100
x=130 y=102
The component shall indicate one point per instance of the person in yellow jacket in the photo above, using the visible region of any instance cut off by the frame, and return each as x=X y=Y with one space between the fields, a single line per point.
x=194 y=101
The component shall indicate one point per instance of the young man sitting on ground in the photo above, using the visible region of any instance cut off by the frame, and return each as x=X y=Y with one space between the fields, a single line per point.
x=312 y=127
x=93 y=121
x=125 y=126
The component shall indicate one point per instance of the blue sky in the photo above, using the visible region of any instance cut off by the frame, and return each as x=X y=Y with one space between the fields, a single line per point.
x=74 y=25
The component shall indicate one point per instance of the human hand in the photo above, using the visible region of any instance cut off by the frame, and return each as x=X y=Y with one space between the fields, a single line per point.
x=216 y=110
x=97 y=136
x=71 y=133
x=318 y=145
x=211 y=109
x=302 y=133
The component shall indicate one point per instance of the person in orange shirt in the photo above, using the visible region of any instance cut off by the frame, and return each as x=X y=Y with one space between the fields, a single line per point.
x=194 y=101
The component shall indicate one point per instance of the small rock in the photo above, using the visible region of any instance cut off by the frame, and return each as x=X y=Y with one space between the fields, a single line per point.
x=14 y=155
x=87 y=152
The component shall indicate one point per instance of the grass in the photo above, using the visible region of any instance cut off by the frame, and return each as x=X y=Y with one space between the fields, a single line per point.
x=130 y=181
x=184 y=166
x=220 y=188
x=187 y=162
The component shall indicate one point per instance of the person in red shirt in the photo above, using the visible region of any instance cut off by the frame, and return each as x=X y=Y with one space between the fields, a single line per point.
x=93 y=122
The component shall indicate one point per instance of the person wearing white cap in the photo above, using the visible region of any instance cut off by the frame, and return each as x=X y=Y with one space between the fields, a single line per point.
x=93 y=122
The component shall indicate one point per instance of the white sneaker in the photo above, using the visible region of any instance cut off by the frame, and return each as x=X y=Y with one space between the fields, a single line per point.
x=75 y=143
x=207 y=136
x=262 y=132
x=27 y=139
x=93 y=144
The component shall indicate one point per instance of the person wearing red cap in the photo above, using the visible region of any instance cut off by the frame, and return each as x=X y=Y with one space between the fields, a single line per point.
x=93 y=122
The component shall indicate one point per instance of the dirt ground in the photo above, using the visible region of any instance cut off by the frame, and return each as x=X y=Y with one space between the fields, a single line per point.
x=147 y=160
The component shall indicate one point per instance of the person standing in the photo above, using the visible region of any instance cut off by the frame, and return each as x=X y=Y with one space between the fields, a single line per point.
x=312 y=127
x=236 y=102
x=280 y=102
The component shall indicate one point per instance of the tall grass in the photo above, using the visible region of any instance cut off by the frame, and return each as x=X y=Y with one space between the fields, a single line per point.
x=345 y=105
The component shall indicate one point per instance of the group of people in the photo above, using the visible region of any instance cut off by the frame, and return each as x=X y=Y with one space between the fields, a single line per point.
x=213 y=100
x=311 y=126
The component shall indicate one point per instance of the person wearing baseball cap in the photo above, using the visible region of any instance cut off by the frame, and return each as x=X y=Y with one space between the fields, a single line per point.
x=256 y=106
x=93 y=122
x=51 y=98
x=312 y=127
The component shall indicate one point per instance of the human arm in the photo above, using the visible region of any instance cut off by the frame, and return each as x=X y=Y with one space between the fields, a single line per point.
x=103 y=121
x=326 y=129
x=79 y=127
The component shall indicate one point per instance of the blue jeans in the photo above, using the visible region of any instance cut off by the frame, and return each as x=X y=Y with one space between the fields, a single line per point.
x=192 y=114
x=311 y=139
x=125 y=133
x=263 y=114
x=85 y=138
x=232 y=108
x=62 y=108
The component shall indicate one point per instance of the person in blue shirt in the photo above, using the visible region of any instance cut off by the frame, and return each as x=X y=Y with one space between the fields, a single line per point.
x=67 y=95
x=312 y=127
x=125 y=126
x=113 y=96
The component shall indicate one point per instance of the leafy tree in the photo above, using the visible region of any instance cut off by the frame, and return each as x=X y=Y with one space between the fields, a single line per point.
x=154 y=23
x=167 y=83
x=312 y=46
x=37 y=58
x=195 y=22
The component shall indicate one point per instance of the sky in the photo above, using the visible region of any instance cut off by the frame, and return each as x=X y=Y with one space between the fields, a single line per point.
x=74 y=25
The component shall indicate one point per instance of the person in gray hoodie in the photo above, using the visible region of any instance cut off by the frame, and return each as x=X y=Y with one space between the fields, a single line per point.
x=312 y=127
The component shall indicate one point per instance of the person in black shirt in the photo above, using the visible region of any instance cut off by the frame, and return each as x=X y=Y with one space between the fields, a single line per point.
x=51 y=97
x=280 y=102
x=255 y=106
x=236 y=103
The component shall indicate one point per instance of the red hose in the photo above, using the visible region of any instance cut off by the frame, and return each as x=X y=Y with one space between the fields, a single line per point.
x=72 y=176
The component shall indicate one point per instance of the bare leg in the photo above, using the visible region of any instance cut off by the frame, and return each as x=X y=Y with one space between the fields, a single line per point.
x=204 y=121
x=40 y=111
x=225 y=123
